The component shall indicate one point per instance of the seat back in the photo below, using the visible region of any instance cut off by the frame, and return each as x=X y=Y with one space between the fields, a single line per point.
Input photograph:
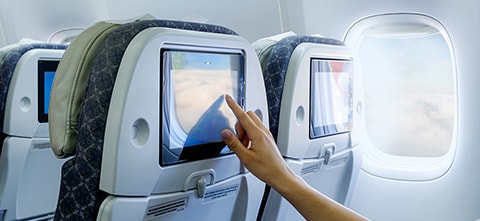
x=118 y=171
x=309 y=93
x=29 y=172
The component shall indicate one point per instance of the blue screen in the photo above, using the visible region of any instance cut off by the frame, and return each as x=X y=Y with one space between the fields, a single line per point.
x=46 y=73
x=47 y=83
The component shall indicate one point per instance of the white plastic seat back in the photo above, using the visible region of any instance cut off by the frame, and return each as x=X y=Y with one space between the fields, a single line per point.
x=119 y=128
x=309 y=93
x=29 y=172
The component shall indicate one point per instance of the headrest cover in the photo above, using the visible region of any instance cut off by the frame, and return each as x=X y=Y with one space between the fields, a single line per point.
x=274 y=61
x=264 y=46
x=10 y=55
x=69 y=86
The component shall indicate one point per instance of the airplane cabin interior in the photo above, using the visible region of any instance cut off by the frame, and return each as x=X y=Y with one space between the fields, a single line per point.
x=114 y=110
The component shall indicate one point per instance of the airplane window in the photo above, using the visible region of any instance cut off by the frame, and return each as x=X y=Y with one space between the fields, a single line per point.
x=409 y=94
x=404 y=95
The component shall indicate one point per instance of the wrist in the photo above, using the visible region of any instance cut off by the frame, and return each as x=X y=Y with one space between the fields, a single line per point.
x=288 y=183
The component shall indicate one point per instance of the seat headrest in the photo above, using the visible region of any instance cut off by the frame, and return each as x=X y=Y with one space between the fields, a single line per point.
x=10 y=55
x=73 y=72
x=69 y=85
x=263 y=47
x=275 y=57
x=5 y=49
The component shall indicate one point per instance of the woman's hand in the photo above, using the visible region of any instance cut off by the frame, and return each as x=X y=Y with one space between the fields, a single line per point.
x=255 y=146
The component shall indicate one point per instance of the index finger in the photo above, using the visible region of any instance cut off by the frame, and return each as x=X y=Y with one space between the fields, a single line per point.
x=243 y=118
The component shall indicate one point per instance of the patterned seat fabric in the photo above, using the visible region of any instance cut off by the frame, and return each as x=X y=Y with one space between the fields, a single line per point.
x=80 y=197
x=275 y=71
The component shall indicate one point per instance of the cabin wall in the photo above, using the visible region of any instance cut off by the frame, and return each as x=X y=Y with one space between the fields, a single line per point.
x=40 y=19
x=454 y=196
x=251 y=19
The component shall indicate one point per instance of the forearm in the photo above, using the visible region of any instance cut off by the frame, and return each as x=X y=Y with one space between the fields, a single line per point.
x=312 y=204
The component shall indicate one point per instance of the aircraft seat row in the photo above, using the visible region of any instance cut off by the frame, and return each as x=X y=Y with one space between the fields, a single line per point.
x=135 y=114
x=310 y=123
x=29 y=172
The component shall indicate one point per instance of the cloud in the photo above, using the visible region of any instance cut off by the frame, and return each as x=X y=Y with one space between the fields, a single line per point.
x=196 y=90
x=411 y=124
x=409 y=94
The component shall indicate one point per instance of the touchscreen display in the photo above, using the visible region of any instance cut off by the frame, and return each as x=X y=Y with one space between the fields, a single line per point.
x=46 y=73
x=330 y=97
x=194 y=111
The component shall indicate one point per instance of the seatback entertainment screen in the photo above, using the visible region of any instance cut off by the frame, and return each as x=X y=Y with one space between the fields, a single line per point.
x=331 y=98
x=194 y=111
x=46 y=74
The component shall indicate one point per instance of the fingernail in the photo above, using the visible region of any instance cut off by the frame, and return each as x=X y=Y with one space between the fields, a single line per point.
x=227 y=134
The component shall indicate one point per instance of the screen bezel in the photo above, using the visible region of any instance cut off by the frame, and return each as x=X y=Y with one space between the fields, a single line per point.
x=337 y=127
x=44 y=66
x=240 y=99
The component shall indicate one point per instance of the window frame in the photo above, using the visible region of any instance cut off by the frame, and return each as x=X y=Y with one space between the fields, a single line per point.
x=375 y=161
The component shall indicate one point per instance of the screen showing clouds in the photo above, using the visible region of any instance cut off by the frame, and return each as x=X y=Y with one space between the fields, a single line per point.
x=194 y=108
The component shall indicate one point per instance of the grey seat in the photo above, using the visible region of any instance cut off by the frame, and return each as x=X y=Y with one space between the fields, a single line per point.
x=287 y=67
x=29 y=172
x=97 y=183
